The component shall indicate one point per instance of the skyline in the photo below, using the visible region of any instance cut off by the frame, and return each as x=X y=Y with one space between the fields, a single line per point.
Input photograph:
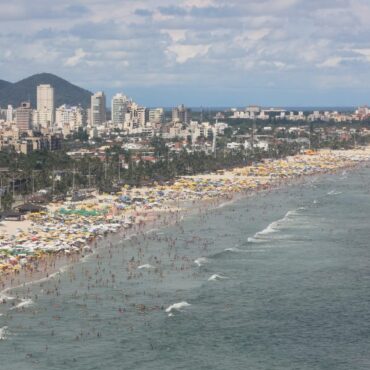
x=45 y=81
x=196 y=52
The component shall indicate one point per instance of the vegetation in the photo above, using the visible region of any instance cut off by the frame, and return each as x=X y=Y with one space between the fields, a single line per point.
x=60 y=174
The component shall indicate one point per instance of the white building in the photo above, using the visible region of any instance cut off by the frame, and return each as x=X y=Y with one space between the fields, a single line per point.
x=119 y=109
x=136 y=117
x=45 y=106
x=10 y=114
x=98 y=109
x=156 y=115
x=73 y=117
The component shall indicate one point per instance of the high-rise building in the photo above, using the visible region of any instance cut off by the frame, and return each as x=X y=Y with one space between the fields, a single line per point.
x=24 y=117
x=156 y=115
x=45 y=106
x=181 y=114
x=137 y=116
x=141 y=116
x=119 y=109
x=10 y=114
x=98 y=109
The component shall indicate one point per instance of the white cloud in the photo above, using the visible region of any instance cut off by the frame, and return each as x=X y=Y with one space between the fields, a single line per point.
x=183 y=53
x=285 y=42
x=198 y=3
x=175 y=35
x=363 y=52
x=76 y=58
x=330 y=63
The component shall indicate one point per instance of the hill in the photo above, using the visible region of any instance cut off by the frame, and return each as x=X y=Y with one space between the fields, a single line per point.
x=24 y=90
x=4 y=84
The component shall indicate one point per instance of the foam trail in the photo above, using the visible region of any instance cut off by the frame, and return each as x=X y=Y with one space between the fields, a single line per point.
x=6 y=297
x=222 y=205
x=146 y=266
x=232 y=250
x=216 y=277
x=177 y=306
x=52 y=276
x=24 y=303
x=201 y=261
x=254 y=240
x=334 y=192
x=151 y=231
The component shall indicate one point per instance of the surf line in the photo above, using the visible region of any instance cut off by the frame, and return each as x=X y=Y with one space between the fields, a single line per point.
x=273 y=227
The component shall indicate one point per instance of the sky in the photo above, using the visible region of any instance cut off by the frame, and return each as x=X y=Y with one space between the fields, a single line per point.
x=196 y=52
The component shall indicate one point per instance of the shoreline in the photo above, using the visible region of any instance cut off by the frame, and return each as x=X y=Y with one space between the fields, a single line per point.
x=50 y=265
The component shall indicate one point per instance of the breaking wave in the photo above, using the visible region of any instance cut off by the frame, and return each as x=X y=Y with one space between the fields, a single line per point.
x=216 y=277
x=3 y=333
x=274 y=227
x=177 y=306
x=333 y=192
x=146 y=266
x=24 y=303
x=201 y=261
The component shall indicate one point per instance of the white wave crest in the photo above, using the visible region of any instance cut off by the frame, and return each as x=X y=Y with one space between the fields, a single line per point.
x=177 y=306
x=151 y=231
x=201 y=261
x=6 y=297
x=216 y=277
x=222 y=205
x=254 y=240
x=146 y=266
x=334 y=192
x=234 y=250
x=275 y=226
x=3 y=333
x=23 y=303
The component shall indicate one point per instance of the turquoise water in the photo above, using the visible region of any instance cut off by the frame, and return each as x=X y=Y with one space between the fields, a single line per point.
x=281 y=281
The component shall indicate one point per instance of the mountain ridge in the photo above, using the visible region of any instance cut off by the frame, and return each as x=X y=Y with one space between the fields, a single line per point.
x=25 y=90
x=4 y=84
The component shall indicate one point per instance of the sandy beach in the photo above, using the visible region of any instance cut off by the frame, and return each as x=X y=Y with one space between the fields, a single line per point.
x=40 y=245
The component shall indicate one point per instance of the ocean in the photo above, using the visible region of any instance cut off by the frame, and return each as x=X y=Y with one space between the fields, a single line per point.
x=279 y=280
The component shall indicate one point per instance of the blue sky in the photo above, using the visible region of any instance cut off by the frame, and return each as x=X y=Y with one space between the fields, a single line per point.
x=197 y=52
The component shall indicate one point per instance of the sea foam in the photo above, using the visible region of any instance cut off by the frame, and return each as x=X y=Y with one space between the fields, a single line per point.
x=216 y=277
x=234 y=250
x=334 y=192
x=3 y=333
x=23 y=303
x=275 y=226
x=177 y=306
x=201 y=261
x=146 y=266
x=6 y=297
